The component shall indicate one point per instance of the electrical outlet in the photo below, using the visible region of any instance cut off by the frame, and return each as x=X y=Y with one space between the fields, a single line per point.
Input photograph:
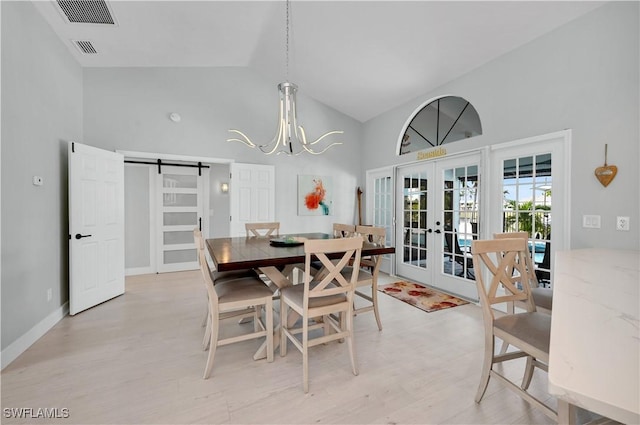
x=622 y=223
x=49 y=294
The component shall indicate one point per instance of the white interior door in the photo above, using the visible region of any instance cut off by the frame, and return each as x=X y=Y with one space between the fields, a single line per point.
x=438 y=212
x=180 y=208
x=96 y=226
x=252 y=195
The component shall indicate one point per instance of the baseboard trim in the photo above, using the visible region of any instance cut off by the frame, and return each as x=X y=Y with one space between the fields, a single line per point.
x=134 y=271
x=21 y=344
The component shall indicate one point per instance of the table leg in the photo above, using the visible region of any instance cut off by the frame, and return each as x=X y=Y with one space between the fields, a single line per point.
x=281 y=281
x=566 y=412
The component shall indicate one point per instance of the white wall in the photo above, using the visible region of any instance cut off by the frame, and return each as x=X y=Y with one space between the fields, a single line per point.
x=128 y=108
x=584 y=76
x=219 y=202
x=41 y=111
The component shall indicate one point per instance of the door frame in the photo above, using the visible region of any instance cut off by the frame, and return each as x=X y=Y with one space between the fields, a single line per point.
x=388 y=264
x=138 y=155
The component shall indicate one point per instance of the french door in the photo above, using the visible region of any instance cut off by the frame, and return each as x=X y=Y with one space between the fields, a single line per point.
x=380 y=210
x=439 y=216
x=180 y=207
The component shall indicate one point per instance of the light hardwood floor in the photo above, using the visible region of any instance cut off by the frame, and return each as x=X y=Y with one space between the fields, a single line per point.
x=138 y=359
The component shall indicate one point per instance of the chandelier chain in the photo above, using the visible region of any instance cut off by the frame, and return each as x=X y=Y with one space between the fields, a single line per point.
x=287 y=46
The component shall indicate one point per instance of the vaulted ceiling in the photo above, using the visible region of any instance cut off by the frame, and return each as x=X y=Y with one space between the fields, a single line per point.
x=360 y=57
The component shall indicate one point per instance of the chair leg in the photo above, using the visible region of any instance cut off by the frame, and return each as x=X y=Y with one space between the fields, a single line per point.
x=528 y=373
x=205 y=319
x=374 y=297
x=348 y=319
x=305 y=354
x=269 y=329
x=486 y=367
x=257 y=314
x=207 y=333
x=213 y=344
x=284 y=324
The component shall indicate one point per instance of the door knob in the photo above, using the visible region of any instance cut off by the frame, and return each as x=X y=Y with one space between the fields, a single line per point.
x=429 y=230
x=79 y=236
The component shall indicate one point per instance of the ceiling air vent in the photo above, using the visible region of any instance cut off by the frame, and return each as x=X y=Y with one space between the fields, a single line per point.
x=86 y=11
x=85 y=46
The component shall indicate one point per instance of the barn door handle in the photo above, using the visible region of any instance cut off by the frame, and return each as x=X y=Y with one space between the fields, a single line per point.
x=79 y=236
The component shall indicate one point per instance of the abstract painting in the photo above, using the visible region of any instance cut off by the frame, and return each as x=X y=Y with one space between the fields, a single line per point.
x=315 y=195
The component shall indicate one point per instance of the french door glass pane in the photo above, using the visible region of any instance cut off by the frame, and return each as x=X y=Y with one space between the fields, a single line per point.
x=415 y=217
x=383 y=206
x=460 y=213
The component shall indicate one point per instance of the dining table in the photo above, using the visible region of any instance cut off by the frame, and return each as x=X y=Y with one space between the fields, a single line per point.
x=276 y=257
x=594 y=356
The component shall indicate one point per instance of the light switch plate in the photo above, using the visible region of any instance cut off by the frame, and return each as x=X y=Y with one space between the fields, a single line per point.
x=591 y=221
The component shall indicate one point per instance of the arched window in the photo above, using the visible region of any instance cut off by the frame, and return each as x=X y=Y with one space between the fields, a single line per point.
x=444 y=120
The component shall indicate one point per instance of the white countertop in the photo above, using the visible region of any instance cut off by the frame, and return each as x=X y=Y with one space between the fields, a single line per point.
x=595 y=332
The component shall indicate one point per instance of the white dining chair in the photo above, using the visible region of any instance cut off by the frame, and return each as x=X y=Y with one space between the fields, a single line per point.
x=237 y=298
x=341 y=230
x=323 y=299
x=263 y=230
x=503 y=260
x=217 y=277
x=368 y=273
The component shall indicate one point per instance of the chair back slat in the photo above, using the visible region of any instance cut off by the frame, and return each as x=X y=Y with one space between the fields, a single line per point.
x=375 y=236
x=531 y=272
x=350 y=249
x=343 y=230
x=505 y=261
x=262 y=230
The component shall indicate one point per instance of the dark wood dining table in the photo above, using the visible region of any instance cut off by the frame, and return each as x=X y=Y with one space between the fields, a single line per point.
x=275 y=262
x=258 y=253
